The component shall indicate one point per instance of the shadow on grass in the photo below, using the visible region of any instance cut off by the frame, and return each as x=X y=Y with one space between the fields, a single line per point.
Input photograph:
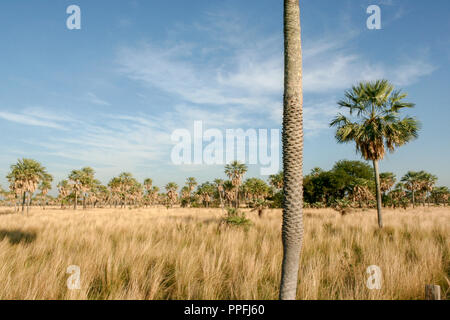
x=17 y=236
x=7 y=212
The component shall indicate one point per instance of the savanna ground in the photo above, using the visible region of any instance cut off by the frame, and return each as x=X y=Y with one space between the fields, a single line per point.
x=160 y=253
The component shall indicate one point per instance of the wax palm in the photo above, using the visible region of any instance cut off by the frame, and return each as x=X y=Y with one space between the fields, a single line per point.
x=374 y=124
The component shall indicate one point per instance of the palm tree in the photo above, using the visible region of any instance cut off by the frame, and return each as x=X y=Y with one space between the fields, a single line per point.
x=63 y=188
x=75 y=182
x=235 y=171
x=292 y=138
x=440 y=195
x=412 y=182
x=172 y=194
x=387 y=181
x=45 y=186
x=428 y=181
x=377 y=124
x=191 y=183
x=148 y=184
x=219 y=185
x=81 y=181
x=25 y=177
x=229 y=192
x=276 y=180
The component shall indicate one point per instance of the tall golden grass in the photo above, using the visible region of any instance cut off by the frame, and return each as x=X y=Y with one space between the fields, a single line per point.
x=177 y=253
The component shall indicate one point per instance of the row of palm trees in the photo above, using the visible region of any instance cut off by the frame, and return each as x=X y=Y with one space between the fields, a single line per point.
x=29 y=178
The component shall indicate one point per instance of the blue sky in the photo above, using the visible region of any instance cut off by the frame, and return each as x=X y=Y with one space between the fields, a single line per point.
x=110 y=95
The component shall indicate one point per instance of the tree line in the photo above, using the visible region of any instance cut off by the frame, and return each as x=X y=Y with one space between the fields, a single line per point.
x=349 y=184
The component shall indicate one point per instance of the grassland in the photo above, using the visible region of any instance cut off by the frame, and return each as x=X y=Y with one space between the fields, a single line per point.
x=160 y=253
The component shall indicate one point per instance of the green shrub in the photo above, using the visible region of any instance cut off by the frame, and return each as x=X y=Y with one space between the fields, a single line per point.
x=236 y=218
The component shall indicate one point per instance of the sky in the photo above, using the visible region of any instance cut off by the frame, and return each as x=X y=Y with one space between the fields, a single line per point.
x=111 y=94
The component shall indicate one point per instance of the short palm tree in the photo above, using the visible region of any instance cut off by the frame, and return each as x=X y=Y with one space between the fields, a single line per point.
x=374 y=124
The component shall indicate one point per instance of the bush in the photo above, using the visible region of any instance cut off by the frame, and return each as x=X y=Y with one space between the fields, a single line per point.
x=236 y=218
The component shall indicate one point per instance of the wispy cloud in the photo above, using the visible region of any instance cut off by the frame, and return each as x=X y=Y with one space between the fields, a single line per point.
x=92 y=98
x=34 y=117
x=248 y=76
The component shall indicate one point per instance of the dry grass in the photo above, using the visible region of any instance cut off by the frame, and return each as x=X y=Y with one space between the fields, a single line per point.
x=182 y=254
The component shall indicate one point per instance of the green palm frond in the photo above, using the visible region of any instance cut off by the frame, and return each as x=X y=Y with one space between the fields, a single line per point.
x=374 y=123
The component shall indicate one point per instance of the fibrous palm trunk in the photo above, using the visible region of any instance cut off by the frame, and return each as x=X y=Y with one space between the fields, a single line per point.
x=378 y=192
x=292 y=229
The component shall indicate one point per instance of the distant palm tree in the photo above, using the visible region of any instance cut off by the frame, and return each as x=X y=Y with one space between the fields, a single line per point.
x=148 y=184
x=387 y=181
x=191 y=183
x=172 y=194
x=229 y=192
x=219 y=185
x=428 y=181
x=81 y=181
x=25 y=177
x=64 y=190
x=45 y=186
x=276 y=180
x=315 y=172
x=374 y=124
x=412 y=182
x=292 y=138
x=235 y=171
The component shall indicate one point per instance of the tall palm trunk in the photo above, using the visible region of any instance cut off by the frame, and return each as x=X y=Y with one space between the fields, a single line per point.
x=413 y=199
x=292 y=230
x=76 y=201
x=378 y=192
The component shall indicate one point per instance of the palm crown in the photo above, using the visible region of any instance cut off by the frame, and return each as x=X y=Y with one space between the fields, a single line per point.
x=377 y=123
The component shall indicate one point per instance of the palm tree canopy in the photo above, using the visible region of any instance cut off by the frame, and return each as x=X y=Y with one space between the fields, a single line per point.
x=374 y=123
x=26 y=174
x=235 y=170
